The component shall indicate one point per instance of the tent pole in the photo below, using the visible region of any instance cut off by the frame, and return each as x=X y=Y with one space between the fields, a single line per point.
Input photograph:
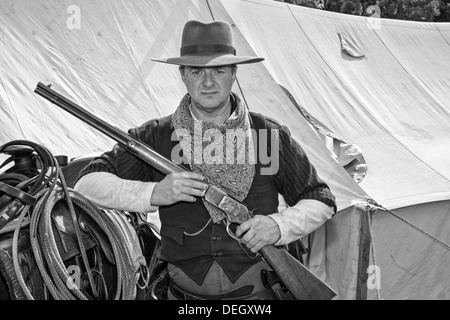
x=364 y=255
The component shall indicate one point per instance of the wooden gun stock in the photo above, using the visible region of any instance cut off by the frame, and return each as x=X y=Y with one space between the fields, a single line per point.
x=301 y=282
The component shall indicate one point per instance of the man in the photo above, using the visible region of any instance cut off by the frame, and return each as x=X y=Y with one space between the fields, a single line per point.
x=208 y=258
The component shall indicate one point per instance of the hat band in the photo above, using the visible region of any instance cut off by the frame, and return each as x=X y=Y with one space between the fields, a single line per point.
x=210 y=49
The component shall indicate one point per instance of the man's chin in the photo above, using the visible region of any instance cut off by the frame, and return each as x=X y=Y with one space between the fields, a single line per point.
x=209 y=104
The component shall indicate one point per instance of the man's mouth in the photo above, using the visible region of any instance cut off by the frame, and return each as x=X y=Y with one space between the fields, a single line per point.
x=208 y=93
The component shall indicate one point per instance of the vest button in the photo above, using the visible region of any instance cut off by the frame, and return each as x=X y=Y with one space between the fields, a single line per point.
x=216 y=238
x=217 y=254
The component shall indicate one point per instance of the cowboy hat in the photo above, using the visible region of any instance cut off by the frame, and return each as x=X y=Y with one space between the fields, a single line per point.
x=208 y=45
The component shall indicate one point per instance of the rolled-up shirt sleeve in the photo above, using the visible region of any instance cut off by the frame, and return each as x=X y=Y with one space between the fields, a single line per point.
x=109 y=191
x=300 y=220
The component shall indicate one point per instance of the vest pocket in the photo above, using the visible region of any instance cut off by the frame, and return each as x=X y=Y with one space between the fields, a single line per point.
x=174 y=233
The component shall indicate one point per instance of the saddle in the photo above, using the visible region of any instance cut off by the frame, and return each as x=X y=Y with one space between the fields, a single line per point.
x=91 y=234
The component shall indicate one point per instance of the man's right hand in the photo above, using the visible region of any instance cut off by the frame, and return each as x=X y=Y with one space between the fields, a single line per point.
x=178 y=186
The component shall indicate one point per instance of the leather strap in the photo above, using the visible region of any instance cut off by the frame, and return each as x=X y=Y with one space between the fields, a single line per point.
x=17 y=193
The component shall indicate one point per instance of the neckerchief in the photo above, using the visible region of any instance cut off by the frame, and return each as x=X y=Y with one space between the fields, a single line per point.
x=224 y=153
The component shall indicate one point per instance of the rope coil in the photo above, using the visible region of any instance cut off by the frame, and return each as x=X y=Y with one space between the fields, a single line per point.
x=46 y=183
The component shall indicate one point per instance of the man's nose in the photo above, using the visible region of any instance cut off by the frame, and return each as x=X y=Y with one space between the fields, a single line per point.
x=208 y=80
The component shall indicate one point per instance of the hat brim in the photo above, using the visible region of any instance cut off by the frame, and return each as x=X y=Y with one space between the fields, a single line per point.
x=209 y=60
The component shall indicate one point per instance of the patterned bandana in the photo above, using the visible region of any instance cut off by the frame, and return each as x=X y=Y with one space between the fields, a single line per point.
x=224 y=154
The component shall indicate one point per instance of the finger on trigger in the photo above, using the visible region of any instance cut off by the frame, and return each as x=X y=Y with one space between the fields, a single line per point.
x=249 y=239
x=244 y=227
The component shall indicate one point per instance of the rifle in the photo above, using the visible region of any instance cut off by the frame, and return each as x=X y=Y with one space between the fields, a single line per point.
x=300 y=281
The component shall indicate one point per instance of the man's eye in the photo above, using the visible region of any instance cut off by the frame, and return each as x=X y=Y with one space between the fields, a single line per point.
x=195 y=73
x=219 y=71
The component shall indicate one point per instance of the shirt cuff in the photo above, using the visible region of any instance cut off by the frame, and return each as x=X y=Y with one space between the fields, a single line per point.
x=300 y=220
x=146 y=199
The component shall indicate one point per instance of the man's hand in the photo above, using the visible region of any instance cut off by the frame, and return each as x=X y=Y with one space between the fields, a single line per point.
x=259 y=232
x=178 y=186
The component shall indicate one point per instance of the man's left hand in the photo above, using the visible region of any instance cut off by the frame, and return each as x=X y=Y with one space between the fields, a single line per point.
x=258 y=232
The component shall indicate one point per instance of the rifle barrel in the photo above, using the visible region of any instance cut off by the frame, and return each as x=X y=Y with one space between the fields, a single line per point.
x=133 y=145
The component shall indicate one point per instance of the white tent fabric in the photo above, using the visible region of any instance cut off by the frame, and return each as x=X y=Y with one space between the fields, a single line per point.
x=393 y=103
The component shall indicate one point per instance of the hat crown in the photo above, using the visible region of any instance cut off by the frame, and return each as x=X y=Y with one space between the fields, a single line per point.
x=208 y=45
x=202 y=38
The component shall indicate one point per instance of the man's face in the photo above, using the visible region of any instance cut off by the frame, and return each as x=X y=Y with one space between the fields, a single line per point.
x=209 y=87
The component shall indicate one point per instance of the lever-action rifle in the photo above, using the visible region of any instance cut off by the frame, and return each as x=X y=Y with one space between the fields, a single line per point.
x=300 y=281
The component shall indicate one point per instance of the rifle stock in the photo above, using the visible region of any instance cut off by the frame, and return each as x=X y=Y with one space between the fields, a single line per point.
x=300 y=281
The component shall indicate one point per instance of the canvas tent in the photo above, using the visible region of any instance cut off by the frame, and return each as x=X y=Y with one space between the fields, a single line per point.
x=392 y=103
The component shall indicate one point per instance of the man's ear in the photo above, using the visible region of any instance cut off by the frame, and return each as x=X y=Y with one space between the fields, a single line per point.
x=234 y=72
x=181 y=69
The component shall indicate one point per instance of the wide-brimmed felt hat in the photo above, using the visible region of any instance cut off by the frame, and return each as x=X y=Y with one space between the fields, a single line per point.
x=208 y=45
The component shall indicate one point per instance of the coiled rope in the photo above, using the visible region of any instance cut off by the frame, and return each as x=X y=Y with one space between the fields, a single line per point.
x=126 y=267
x=48 y=186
